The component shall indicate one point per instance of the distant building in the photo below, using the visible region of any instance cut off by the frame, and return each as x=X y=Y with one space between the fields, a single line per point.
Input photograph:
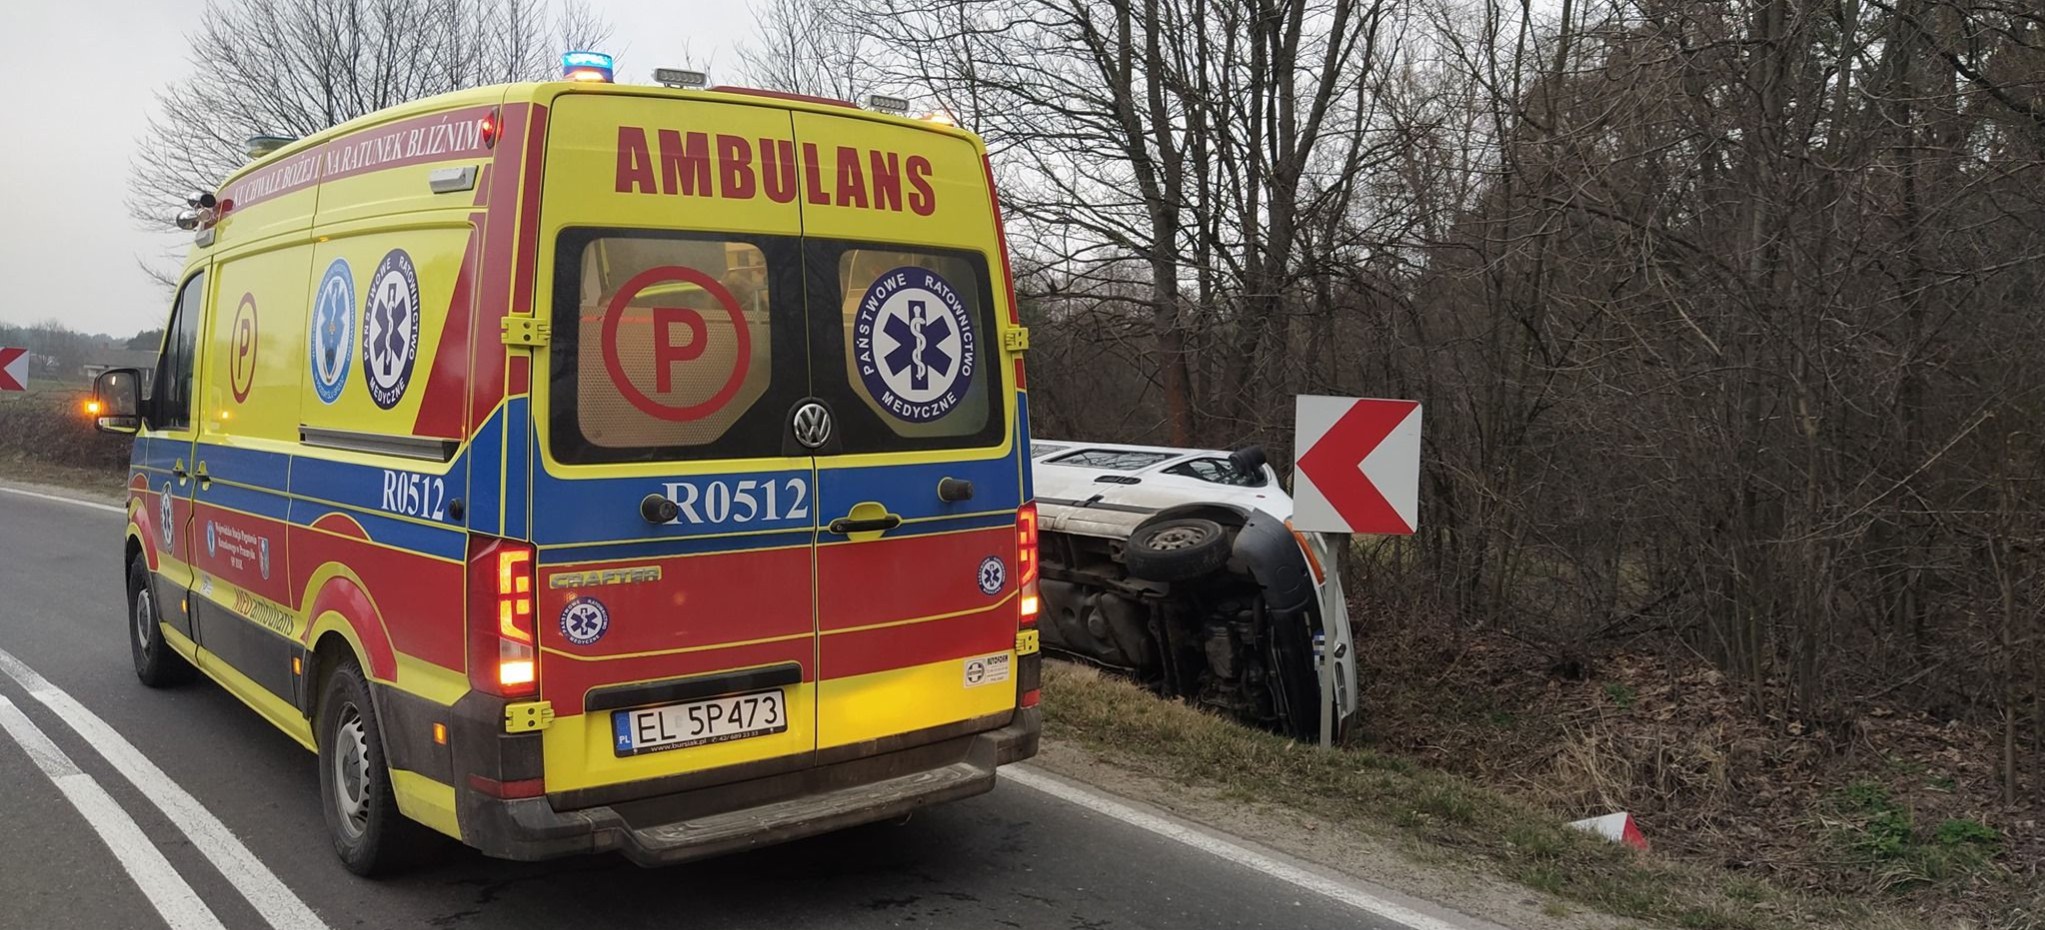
x=107 y=359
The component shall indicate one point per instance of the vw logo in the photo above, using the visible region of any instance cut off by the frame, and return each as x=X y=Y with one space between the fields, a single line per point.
x=812 y=425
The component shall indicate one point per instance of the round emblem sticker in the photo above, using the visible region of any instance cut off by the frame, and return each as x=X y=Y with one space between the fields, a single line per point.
x=913 y=344
x=332 y=339
x=212 y=541
x=993 y=574
x=390 y=330
x=584 y=621
x=644 y=372
x=241 y=357
x=163 y=515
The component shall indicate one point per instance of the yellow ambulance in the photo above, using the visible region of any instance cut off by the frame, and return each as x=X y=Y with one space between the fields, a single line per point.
x=576 y=466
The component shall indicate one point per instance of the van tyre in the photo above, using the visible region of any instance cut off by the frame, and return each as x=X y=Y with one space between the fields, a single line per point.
x=1176 y=550
x=158 y=665
x=370 y=835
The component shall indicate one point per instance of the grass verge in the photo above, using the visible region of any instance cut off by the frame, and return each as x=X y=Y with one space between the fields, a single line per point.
x=1430 y=815
x=18 y=466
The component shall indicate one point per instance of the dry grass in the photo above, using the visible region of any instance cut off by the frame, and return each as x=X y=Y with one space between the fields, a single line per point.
x=1716 y=781
x=45 y=437
x=1429 y=813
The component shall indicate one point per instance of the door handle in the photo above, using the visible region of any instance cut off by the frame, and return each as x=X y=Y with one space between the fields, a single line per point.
x=846 y=526
x=177 y=469
x=205 y=480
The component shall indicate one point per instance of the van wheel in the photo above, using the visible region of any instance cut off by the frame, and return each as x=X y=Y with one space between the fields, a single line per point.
x=1176 y=550
x=158 y=665
x=369 y=833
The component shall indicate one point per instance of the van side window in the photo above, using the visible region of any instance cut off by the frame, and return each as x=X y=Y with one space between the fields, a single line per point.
x=1218 y=471
x=170 y=404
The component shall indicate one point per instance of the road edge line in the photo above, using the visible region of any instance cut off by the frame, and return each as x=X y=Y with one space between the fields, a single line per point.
x=158 y=880
x=1226 y=849
x=278 y=905
x=61 y=499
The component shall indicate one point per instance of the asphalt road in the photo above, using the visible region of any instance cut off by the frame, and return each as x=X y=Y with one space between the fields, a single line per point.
x=1020 y=856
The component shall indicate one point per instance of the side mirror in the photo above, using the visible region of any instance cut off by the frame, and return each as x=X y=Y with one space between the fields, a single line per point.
x=1248 y=460
x=117 y=400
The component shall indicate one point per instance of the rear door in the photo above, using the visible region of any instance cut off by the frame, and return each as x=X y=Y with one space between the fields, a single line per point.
x=916 y=593
x=678 y=352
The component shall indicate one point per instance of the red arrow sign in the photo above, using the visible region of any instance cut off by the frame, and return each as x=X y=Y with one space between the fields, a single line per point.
x=1360 y=471
x=13 y=369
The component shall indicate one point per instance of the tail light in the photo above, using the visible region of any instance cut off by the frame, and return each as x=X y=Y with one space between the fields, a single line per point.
x=1028 y=602
x=502 y=660
x=1306 y=548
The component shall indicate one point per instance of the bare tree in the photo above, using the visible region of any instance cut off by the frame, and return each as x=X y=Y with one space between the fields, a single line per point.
x=804 y=47
x=1725 y=313
x=294 y=67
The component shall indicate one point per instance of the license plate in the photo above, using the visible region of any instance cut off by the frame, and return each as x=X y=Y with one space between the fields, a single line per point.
x=696 y=723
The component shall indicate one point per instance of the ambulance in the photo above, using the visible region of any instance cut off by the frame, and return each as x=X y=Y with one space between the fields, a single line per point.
x=579 y=467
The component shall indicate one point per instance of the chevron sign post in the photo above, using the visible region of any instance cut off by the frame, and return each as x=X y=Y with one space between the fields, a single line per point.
x=13 y=369
x=1358 y=467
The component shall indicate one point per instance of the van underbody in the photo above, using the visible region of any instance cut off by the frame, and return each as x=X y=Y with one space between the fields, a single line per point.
x=1237 y=641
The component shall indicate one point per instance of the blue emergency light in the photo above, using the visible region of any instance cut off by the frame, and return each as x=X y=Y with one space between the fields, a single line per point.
x=586 y=66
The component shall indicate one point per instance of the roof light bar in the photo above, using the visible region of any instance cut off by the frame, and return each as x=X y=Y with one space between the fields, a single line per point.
x=681 y=77
x=587 y=66
x=893 y=106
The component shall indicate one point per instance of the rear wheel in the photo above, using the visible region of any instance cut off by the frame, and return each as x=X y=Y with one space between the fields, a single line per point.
x=1176 y=550
x=156 y=663
x=369 y=833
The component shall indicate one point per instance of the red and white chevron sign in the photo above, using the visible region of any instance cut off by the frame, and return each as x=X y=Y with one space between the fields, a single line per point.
x=13 y=369
x=1358 y=467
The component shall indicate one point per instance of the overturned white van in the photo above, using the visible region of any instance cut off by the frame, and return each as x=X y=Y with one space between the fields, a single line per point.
x=1180 y=568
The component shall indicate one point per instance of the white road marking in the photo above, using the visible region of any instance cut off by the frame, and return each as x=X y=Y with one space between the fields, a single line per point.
x=264 y=890
x=1236 y=853
x=61 y=499
x=178 y=904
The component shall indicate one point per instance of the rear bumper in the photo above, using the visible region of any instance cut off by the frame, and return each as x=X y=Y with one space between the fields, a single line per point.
x=727 y=818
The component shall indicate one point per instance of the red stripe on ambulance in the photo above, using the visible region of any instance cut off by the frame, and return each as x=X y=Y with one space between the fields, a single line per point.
x=902 y=568
x=440 y=410
x=419 y=594
x=500 y=238
x=860 y=652
x=698 y=600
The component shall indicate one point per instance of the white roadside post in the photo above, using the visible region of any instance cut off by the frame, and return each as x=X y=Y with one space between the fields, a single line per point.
x=1356 y=470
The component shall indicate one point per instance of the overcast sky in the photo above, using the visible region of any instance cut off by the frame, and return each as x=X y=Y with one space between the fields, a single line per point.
x=84 y=72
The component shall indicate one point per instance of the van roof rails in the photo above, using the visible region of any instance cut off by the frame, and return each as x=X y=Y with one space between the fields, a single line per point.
x=783 y=95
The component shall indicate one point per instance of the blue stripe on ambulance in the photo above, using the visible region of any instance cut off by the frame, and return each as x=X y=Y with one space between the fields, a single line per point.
x=518 y=456
x=486 y=476
x=226 y=493
x=251 y=467
x=995 y=487
x=606 y=510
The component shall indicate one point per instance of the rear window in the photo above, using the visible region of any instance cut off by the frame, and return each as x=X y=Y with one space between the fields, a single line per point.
x=689 y=346
x=670 y=346
x=905 y=342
